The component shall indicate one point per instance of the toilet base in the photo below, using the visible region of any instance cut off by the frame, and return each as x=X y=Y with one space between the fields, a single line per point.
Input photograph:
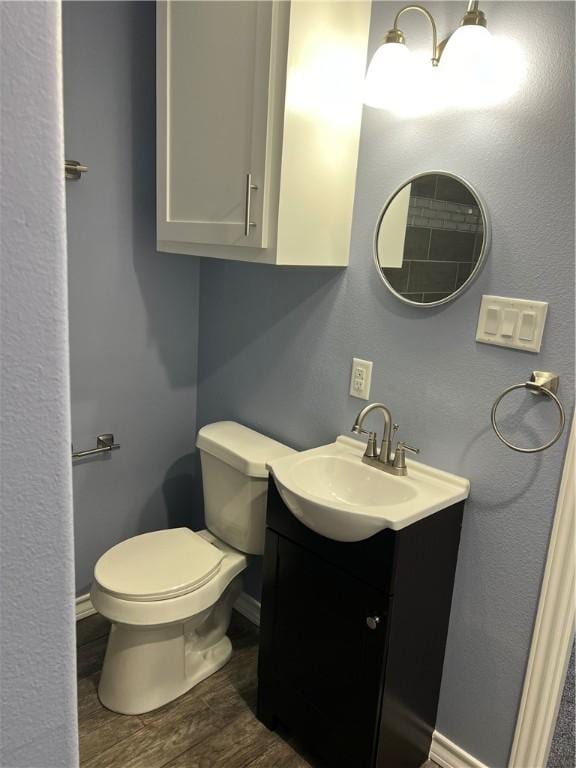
x=155 y=685
x=146 y=667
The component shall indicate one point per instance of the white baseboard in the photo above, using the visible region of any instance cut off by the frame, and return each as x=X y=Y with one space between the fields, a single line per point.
x=84 y=607
x=446 y=754
x=249 y=608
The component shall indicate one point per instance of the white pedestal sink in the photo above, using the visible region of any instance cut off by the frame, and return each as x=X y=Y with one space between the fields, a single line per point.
x=332 y=492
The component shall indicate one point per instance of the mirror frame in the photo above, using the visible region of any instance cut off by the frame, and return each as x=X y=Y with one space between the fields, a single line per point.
x=481 y=258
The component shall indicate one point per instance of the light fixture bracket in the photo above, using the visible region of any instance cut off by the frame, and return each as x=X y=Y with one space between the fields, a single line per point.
x=474 y=17
x=395 y=36
x=420 y=9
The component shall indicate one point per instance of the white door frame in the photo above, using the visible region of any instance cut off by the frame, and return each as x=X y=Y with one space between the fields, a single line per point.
x=553 y=632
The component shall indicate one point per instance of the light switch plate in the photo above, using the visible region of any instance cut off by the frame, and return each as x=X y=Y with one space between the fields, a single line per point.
x=514 y=323
x=360 y=378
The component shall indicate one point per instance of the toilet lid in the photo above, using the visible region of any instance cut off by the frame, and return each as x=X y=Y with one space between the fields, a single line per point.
x=158 y=565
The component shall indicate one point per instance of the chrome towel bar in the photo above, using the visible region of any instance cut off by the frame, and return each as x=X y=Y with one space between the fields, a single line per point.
x=541 y=383
x=73 y=170
x=104 y=444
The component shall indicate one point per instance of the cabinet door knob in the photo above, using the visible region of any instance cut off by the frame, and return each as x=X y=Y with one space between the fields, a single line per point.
x=372 y=622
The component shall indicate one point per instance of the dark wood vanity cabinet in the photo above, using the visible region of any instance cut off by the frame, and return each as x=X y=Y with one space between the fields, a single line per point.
x=353 y=637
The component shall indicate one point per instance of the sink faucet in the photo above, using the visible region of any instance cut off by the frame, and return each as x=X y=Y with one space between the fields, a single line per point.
x=382 y=460
x=384 y=455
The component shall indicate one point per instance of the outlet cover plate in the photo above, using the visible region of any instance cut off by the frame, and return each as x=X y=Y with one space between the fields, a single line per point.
x=513 y=323
x=360 y=378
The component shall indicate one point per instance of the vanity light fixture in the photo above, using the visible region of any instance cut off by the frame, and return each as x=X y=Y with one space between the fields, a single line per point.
x=394 y=78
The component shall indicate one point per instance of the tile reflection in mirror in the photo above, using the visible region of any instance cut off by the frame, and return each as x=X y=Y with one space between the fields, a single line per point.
x=431 y=239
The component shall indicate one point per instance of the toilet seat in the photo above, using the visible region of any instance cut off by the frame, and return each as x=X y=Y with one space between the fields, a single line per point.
x=154 y=612
x=158 y=566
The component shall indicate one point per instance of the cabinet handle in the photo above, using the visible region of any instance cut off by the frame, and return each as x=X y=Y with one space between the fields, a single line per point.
x=249 y=188
x=372 y=622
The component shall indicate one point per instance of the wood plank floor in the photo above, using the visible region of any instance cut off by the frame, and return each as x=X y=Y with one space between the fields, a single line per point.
x=212 y=726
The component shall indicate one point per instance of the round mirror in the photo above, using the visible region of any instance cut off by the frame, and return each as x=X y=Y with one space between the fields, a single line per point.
x=431 y=239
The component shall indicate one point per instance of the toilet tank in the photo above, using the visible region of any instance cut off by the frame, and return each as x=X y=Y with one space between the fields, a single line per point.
x=235 y=482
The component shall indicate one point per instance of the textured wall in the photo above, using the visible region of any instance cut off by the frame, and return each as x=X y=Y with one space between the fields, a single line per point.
x=133 y=312
x=276 y=347
x=37 y=681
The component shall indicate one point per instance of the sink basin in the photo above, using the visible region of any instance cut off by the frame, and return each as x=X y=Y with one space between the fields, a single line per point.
x=332 y=492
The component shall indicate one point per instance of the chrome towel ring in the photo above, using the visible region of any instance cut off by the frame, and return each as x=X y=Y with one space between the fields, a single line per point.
x=541 y=383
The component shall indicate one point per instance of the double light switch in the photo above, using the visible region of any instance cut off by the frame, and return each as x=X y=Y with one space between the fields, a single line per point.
x=516 y=323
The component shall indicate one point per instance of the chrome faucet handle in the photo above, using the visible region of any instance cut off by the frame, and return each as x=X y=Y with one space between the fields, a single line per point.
x=406 y=447
x=400 y=454
x=371 y=451
x=358 y=430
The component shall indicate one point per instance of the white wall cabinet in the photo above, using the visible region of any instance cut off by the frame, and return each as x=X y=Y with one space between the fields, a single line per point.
x=258 y=123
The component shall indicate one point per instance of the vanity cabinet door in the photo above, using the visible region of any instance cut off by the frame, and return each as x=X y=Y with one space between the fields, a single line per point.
x=322 y=653
x=213 y=62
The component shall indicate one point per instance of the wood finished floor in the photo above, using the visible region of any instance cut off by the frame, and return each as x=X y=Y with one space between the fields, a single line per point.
x=212 y=726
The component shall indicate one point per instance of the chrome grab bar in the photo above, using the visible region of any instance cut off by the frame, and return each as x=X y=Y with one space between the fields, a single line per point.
x=104 y=444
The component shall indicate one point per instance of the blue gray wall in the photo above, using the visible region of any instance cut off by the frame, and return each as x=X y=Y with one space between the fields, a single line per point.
x=276 y=344
x=37 y=670
x=133 y=312
x=276 y=347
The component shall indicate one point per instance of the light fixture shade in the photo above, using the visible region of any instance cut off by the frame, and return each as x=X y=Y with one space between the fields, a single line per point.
x=470 y=68
x=388 y=76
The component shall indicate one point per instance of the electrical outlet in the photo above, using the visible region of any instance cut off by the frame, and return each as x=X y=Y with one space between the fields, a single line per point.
x=361 y=378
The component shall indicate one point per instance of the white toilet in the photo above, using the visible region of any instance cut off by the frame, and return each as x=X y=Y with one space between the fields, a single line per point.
x=169 y=594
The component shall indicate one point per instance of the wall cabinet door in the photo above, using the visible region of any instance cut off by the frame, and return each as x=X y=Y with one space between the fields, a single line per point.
x=213 y=92
x=259 y=101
